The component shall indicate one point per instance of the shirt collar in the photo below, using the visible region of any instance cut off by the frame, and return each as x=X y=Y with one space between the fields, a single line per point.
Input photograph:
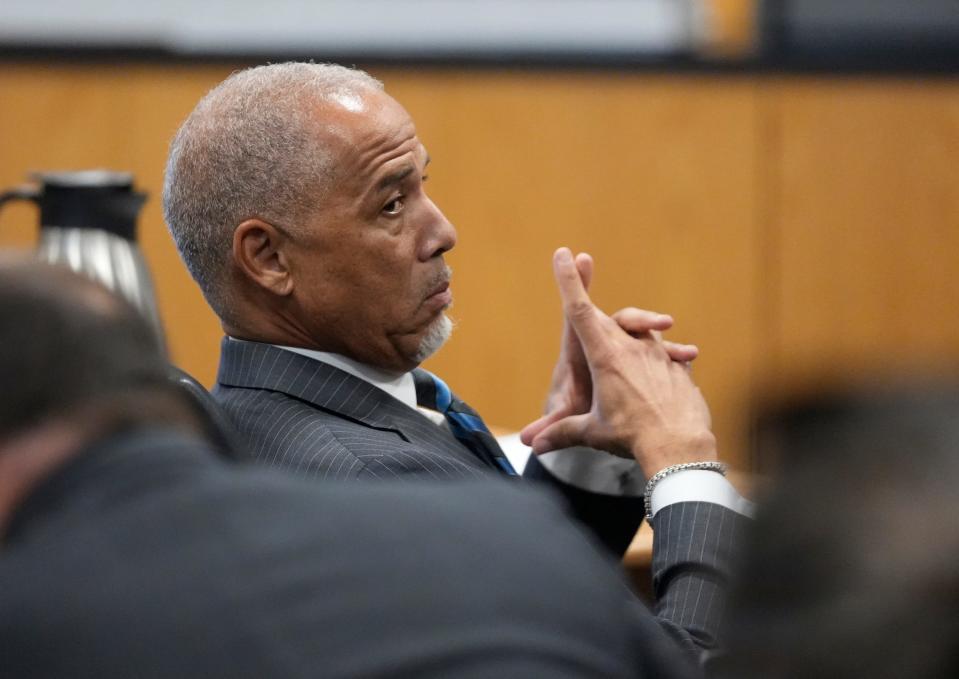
x=400 y=387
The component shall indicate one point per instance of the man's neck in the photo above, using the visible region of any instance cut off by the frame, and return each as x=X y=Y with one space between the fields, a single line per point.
x=29 y=458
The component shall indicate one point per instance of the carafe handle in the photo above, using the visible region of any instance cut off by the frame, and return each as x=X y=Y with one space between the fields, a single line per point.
x=24 y=192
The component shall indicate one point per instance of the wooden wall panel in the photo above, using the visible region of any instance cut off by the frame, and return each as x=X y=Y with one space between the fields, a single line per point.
x=656 y=176
x=866 y=213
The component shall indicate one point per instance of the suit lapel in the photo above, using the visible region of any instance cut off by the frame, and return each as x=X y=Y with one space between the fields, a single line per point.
x=264 y=366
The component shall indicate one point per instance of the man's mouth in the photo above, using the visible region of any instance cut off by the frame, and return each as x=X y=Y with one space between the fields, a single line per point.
x=440 y=296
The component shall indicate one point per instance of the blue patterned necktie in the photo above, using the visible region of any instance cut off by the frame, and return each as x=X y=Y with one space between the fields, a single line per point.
x=465 y=423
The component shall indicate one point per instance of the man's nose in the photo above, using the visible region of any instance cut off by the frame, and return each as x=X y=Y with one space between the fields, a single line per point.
x=442 y=234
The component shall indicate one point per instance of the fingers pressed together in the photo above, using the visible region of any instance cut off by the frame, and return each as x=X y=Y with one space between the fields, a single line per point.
x=641 y=396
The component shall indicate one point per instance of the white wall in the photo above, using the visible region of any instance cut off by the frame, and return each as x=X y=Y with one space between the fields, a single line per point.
x=367 y=27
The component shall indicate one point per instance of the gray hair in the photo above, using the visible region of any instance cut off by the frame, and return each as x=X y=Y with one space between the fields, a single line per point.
x=250 y=148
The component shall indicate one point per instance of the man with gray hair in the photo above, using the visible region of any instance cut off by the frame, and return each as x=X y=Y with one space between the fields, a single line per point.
x=259 y=191
x=295 y=195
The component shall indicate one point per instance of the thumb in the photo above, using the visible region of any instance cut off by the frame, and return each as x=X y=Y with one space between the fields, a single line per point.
x=532 y=430
x=567 y=432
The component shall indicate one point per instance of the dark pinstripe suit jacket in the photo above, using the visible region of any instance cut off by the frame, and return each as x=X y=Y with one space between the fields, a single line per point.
x=316 y=420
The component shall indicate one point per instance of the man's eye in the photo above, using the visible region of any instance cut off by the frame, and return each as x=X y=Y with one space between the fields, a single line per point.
x=394 y=207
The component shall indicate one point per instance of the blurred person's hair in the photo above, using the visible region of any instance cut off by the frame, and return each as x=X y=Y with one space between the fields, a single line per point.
x=251 y=148
x=72 y=350
x=852 y=568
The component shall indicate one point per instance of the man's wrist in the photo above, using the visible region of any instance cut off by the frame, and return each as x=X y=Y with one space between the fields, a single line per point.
x=652 y=458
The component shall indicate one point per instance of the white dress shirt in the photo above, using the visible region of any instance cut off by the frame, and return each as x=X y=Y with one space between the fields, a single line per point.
x=586 y=468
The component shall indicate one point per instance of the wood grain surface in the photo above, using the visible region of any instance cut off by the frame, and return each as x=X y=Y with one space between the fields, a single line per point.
x=792 y=226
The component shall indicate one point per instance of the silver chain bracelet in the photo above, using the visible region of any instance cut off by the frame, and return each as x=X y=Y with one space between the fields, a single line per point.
x=712 y=466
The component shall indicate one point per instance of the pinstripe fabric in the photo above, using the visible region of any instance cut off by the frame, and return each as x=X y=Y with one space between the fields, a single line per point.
x=693 y=548
x=316 y=420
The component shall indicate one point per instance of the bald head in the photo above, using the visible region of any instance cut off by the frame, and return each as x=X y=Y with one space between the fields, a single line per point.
x=252 y=148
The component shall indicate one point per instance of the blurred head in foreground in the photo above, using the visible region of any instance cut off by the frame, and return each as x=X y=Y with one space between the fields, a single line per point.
x=76 y=364
x=852 y=569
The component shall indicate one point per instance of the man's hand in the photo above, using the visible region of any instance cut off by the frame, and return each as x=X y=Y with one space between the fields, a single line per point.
x=571 y=389
x=642 y=404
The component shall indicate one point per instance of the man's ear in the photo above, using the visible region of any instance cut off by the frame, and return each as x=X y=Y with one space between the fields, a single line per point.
x=258 y=252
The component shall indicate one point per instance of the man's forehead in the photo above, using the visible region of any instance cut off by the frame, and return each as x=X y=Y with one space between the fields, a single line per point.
x=358 y=115
x=350 y=100
x=368 y=139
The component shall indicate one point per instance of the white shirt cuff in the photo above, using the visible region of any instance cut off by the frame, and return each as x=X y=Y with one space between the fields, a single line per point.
x=586 y=468
x=697 y=485
x=599 y=472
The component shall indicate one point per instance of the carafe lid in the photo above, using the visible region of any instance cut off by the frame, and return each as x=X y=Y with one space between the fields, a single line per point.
x=93 y=199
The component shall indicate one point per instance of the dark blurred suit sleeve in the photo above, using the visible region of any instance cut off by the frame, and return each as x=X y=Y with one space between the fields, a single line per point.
x=613 y=519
